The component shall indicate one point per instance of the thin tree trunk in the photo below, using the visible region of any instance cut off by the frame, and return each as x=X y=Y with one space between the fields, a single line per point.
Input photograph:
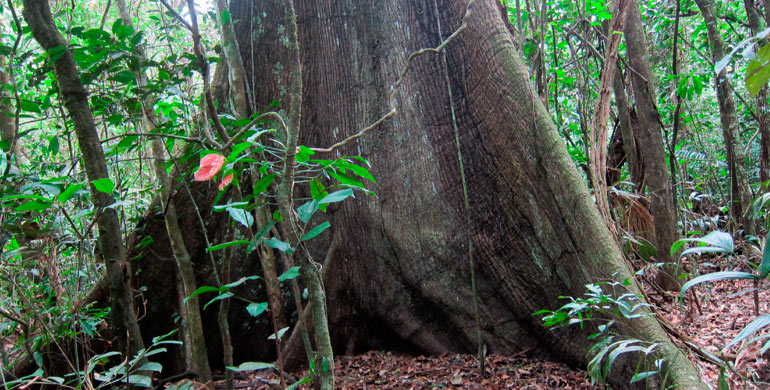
x=599 y=134
x=633 y=156
x=191 y=313
x=37 y=13
x=763 y=111
x=654 y=154
x=739 y=191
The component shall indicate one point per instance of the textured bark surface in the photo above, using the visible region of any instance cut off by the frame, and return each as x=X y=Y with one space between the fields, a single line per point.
x=395 y=272
x=651 y=145
x=739 y=191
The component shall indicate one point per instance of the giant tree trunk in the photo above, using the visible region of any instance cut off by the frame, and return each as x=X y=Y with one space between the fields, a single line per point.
x=395 y=274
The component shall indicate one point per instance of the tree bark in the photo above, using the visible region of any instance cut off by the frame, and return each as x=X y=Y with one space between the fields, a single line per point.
x=763 y=111
x=653 y=150
x=599 y=136
x=394 y=270
x=739 y=191
x=37 y=13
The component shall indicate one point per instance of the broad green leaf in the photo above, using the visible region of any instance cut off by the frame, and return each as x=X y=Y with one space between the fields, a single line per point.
x=242 y=216
x=764 y=266
x=218 y=298
x=33 y=206
x=263 y=184
x=104 y=185
x=715 y=241
x=724 y=275
x=306 y=211
x=255 y=309
x=357 y=169
x=317 y=190
x=758 y=71
x=151 y=366
x=753 y=326
x=239 y=282
x=291 y=273
x=68 y=193
x=251 y=366
x=225 y=16
x=316 y=231
x=29 y=106
x=278 y=244
x=261 y=233
x=345 y=179
x=201 y=290
x=139 y=380
x=237 y=150
x=337 y=196
x=227 y=244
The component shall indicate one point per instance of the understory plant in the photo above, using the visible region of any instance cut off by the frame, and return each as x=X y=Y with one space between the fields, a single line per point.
x=602 y=302
x=721 y=242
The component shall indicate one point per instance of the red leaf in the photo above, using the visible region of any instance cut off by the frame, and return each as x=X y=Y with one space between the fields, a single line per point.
x=225 y=181
x=210 y=165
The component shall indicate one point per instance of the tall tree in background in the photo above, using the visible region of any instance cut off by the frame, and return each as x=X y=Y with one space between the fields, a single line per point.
x=757 y=24
x=190 y=313
x=739 y=190
x=653 y=151
x=37 y=13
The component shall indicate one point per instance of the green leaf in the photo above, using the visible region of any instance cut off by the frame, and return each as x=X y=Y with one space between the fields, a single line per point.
x=337 y=196
x=56 y=52
x=242 y=216
x=345 y=179
x=251 y=366
x=724 y=275
x=280 y=334
x=104 y=185
x=722 y=382
x=758 y=71
x=218 y=298
x=239 y=282
x=764 y=266
x=225 y=16
x=33 y=206
x=358 y=170
x=317 y=190
x=715 y=241
x=124 y=77
x=201 y=290
x=263 y=184
x=227 y=244
x=275 y=243
x=139 y=380
x=291 y=273
x=306 y=211
x=68 y=193
x=753 y=326
x=29 y=106
x=303 y=381
x=316 y=231
x=255 y=309
x=642 y=375
x=237 y=150
x=151 y=366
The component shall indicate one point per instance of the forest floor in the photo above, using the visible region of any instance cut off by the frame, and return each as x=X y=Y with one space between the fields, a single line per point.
x=725 y=309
